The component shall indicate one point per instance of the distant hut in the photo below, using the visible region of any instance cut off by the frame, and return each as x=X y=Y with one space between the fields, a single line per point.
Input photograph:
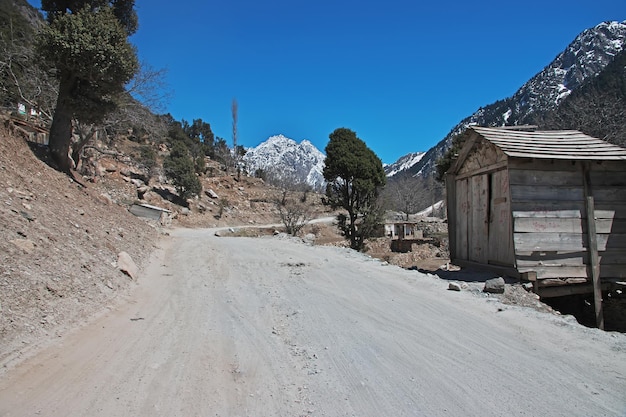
x=546 y=206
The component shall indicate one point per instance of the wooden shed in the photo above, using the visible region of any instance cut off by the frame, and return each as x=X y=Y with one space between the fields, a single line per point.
x=546 y=206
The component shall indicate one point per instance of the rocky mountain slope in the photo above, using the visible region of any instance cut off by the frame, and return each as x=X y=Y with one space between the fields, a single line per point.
x=584 y=59
x=284 y=159
x=403 y=164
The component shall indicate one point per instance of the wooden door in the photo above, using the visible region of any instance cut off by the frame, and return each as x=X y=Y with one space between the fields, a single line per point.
x=478 y=228
x=500 y=226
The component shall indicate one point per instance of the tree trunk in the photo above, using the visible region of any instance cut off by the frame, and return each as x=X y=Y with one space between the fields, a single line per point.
x=61 y=128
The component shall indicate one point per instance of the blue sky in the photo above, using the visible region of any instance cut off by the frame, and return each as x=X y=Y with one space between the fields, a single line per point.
x=399 y=73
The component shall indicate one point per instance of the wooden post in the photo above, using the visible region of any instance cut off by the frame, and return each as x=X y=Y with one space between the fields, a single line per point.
x=595 y=264
x=452 y=214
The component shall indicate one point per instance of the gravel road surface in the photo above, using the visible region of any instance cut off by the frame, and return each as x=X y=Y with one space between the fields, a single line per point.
x=221 y=326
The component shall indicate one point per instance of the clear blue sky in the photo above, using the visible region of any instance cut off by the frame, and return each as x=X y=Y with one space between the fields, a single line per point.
x=399 y=73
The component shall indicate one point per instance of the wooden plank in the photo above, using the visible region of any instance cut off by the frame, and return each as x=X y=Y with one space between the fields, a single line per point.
x=609 y=194
x=532 y=242
x=611 y=178
x=610 y=259
x=566 y=225
x=547 y=225
x=543 y=177
x=483 y=155
x=550 y=292
x=547 y=214
x=556 y=282
x=500 y=227
x=546 y=192
x=547 y=208
x=617 y=271
x=550 y=272
x=452 y=213
x=462 y=219
x=483 y=170
x=593 y=272
x=545 y=165
x=478 y=238
x=496 y=269
x=527 y=263
x=610 y=210
x=463 y=153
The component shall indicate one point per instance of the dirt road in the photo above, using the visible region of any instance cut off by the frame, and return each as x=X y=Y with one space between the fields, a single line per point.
x=269 y=327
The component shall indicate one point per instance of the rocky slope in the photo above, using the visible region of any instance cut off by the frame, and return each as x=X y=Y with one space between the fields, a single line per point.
x=59 y=247
x=403 y=164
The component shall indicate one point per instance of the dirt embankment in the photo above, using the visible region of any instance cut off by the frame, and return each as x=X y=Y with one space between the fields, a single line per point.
x=59 y=244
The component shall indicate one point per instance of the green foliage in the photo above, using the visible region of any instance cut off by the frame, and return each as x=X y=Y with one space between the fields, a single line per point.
x=445 y=162
x=354 y=176
x=86 y=42
x=92 y=56
x=148 y=156
x=180 y=168
x=196 y=138
x=123 y=10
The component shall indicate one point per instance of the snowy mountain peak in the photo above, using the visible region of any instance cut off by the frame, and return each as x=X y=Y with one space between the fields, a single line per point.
x=403 y=164
x=285 y=159
x=583 y=59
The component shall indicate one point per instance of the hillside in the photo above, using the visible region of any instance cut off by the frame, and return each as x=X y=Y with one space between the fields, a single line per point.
x=59 y=245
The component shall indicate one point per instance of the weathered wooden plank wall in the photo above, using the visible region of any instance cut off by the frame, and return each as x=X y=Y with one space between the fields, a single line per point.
x=462 y=219
x=549 y=218
x=608 y=183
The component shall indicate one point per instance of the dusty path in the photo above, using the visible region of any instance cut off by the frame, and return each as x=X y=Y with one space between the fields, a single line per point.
x=268 y=327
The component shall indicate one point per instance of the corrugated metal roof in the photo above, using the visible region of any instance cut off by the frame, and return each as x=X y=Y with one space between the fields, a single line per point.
x=553 y=144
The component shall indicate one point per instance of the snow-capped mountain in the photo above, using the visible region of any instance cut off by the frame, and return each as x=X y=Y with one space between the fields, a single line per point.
x=403 y=164
x=584 y=58
x=284 y=158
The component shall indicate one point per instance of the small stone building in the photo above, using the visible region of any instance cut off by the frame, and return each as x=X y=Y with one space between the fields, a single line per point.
x=546 y=206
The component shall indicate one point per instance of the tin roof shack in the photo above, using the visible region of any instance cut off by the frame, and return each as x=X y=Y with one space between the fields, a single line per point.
x=524 y=201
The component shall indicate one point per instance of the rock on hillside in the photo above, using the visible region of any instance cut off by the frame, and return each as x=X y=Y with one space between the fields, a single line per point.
x=59 y=245
x=285 y=159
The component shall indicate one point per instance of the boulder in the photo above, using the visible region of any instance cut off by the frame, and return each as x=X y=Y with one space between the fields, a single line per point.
x=454 y=286
x=211 y=193
x=126 y=264
x=24 y=244
x=494 y=286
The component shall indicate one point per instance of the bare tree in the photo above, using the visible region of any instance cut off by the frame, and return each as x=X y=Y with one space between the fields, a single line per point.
x=22 y=79
x=294 y=210
x=406 y=194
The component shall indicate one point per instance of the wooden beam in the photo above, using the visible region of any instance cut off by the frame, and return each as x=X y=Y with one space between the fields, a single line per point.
x=499 y=270
x=594 y=267
x=484 y=170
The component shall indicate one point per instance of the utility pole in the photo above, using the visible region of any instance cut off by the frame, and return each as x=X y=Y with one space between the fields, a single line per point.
x=234 y=108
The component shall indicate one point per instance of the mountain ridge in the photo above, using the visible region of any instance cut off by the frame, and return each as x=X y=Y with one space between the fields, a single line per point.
x=285 y=160
x=583 y=59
